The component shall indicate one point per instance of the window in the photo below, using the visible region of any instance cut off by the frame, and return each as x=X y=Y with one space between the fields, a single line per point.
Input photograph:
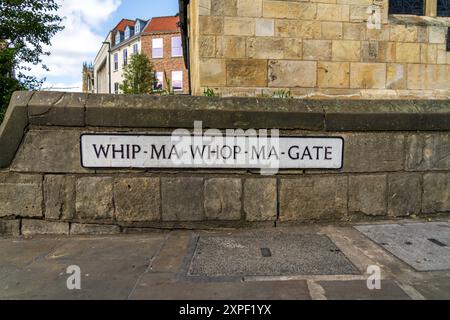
x=135 y=48
x=116 y=88
x=159 y=83
x=448 y=39
x=177 y=80
x=443 y=8
x=117 y=38
x=177 y=50
x=125 y=57
x=413 y=7
x=137 y=27
x=116 y=61
x=127 y=32
x=157 y=48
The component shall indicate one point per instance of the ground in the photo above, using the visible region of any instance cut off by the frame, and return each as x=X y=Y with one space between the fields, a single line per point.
x=296 y=262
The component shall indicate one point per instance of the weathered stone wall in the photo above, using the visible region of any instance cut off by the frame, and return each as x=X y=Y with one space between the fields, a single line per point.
x=317 y=48
x=396 y=164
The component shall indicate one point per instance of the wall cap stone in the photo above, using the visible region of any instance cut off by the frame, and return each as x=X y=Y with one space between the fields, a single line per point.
x=143 y=111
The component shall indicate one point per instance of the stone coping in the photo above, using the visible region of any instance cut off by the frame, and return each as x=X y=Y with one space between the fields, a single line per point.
x=139 y=111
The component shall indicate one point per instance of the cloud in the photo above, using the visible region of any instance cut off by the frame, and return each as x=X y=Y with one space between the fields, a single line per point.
x=66 y=87
x=79 y=41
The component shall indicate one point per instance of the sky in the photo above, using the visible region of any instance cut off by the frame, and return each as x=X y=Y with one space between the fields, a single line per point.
x=87 y=23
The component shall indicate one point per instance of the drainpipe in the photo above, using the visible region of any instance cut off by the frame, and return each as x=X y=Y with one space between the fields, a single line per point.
x=109 y=63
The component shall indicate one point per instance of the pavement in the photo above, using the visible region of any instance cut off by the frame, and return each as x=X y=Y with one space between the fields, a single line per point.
x=317 y=262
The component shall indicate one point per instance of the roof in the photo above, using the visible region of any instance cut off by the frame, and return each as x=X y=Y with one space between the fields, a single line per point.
x=163 y=24
x=123 y=24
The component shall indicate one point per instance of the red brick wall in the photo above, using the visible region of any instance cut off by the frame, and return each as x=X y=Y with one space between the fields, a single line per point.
x=167 y=63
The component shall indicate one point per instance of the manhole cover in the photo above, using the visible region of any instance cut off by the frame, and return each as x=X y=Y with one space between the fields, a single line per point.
x=424 y=246
x=268 y=256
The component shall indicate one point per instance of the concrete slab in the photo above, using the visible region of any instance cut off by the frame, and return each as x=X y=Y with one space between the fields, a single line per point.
x=270 y=255
x=110 y=267
x=158 y=287
x=357 y=290
x=424 y=246
x=435 y=289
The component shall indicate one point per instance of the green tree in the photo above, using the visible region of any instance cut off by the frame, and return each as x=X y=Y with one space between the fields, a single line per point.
x=25 y=27
x=139 y=77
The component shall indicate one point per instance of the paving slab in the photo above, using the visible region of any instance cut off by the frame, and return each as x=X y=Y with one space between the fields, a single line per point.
x=423 y=246
x=435 y=289
x=110 y=267
x=157 y=287
x=270 y=255
x=357 y=290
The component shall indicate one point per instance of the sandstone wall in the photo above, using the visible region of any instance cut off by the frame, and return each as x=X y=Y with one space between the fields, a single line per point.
x=396 y=164
x=317 y=48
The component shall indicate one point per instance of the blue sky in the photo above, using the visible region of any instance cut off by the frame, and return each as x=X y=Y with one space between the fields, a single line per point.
x=87 y=23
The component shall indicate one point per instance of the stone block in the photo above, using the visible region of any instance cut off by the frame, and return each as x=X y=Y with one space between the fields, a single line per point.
x=207 y=46
x=317 y=50
x=289 y=10
x=230 y=47
x=403 y=33
x=274 y=48
x=94 y=199
x=57 y=109
x=93 y=229
x=395 y=76
x=368 y=75
x=210 y=25
x=59 y=197
x=312 y=198
x=239 y=26
x=367 y=194
x=20 y=195
x=333 y=12
x=250 y=8
x=10 y=228
x=404 y=194
x=288 y=73
x=212 y=72
x=182 y=199
x=428 y=53
x=223 y=199
x=373 y=152
x=137 y=199
x=260 y=199
x=332 y=30
x=354 y=31
x=265 y=28
x=346 y=50
x=333 y=74
x=41 y=227
x=437 y=34
x=428 y=76
x=428 y=152
x=41 y=151
x=246 y=73
x=13 y=126
x=224 y=8
x=408 y=52
x=436 y=193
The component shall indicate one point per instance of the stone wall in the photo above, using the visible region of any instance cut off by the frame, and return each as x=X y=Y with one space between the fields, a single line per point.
x=317 y=48
x=396 y=164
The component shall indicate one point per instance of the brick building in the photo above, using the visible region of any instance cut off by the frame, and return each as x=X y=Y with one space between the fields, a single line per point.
x=159 y=38
x=318 y=48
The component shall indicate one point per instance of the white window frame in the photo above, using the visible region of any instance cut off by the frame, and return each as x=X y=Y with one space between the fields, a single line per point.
x=137 y=27
x=116 y=88
x=117 y=37
x=154 y=41
x=127 y=33
x=135 y=46
x=173 y=82
x=173 y=47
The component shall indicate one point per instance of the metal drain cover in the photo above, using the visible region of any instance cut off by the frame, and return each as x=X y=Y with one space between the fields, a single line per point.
x=424 y=246
x=268 y=256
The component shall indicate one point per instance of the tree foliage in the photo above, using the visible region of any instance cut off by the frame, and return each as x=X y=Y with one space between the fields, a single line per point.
x=139 y=77
x=25 y=27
